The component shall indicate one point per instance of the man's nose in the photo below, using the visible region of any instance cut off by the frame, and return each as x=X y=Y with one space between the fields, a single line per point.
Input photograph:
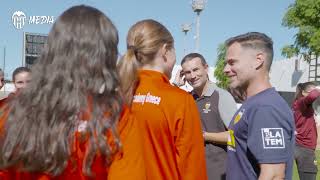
x=226 y=69
x=193 y=75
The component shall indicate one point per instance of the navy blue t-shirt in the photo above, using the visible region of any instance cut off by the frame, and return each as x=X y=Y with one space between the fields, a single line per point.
x=261 y=132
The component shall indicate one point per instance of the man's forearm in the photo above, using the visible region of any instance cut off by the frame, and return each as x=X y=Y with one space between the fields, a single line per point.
x=272 y=171
x=220 y=137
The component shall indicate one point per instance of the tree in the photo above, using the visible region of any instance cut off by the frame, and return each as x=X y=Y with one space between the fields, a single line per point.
x=223 y=80
x=303 y=15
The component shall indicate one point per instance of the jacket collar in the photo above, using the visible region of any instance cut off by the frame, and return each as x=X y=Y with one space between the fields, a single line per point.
x=152 y=75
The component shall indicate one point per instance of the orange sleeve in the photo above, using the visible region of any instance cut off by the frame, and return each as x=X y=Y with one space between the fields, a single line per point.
x=128 y=164
x=189 y=143
x=4 y=113
x=3 y=117
x=15 y=175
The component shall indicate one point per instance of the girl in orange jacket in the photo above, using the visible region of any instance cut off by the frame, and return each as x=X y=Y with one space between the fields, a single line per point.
x=65 y=123
x=168 y=116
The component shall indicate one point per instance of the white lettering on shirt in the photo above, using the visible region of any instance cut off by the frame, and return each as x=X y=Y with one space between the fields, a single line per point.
x=272 y=138
x=148 y=98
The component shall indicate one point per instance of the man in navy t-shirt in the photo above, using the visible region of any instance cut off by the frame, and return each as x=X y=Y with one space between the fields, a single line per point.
x=261 y=139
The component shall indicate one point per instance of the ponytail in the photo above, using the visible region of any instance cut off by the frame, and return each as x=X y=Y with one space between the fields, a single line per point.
x=128 y=72
x=144 y=40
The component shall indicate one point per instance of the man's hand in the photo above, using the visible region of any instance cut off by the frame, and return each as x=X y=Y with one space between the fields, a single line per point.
x=179 y=79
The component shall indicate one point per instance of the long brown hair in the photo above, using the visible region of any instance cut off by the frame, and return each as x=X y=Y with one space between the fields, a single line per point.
x=144 y=40
x=77 y=64
x=303 y=87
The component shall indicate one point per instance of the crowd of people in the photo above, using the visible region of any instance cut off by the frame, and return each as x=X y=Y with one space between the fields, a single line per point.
x=79 y=113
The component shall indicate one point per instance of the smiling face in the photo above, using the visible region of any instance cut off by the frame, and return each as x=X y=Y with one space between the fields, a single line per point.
x=21 y=80
x=195 y=72
x=240 y=65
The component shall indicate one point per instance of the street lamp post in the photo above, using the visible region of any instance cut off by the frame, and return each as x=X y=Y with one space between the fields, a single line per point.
x=185 y=28
x=198 y=6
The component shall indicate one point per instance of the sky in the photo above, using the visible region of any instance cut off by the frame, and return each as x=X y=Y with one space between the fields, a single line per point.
x=219 y=21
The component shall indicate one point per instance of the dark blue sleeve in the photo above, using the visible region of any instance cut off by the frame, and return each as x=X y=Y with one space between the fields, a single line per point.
x=270 y=135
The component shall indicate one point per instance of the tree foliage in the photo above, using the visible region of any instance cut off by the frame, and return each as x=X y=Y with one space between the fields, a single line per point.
x=289 y=51
x=222 y=79
x=305 y=16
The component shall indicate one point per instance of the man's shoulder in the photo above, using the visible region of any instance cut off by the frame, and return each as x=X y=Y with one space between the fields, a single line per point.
x=223 y=92
x=271 y=108
x=269 y=97
x=220 y=90
x=224 y=96
x=277 y=102
x=268 y=104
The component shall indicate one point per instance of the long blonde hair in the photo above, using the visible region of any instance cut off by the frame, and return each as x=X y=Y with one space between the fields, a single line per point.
x=144 y=40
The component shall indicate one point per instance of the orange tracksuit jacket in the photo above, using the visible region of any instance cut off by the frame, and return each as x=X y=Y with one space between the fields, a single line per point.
x=170 y=124
x=127 y=165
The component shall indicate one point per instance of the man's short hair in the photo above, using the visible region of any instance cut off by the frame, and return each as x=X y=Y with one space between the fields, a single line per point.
x=255 y=40
x=20 y=70
x=190 y=56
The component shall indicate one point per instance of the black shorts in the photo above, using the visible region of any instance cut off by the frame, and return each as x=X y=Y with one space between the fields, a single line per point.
x=305 y=159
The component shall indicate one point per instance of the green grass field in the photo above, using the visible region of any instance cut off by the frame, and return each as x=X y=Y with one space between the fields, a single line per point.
x=295 y=172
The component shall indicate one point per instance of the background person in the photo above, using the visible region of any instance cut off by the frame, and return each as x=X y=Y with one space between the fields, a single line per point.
x=21 y=77
x=216 y=107
x=306 y=130
x=168 y=118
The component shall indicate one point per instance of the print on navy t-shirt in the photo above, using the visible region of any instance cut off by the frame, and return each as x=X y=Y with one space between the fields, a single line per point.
x=262 y=131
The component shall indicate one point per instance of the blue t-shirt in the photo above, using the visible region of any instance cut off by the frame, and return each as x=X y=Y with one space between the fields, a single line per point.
x=261 y=131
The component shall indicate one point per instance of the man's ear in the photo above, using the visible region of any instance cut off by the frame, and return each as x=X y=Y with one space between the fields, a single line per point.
x=206 y=67
x=260 y=60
